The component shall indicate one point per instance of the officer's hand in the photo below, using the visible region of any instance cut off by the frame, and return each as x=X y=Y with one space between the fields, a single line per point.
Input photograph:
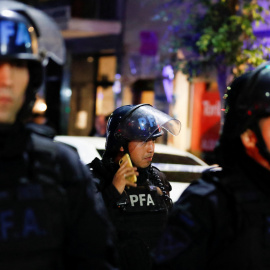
x=119 y=179
x=159 y=192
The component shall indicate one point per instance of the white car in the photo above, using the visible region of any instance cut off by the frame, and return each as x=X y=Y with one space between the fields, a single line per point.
x=180 y=167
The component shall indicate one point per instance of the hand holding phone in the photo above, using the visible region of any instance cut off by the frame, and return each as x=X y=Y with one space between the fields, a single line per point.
x=132 y=178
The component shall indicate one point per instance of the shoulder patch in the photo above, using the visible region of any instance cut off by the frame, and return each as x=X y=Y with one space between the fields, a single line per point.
x=201 y=187
x=41 y=130
x=212 y=173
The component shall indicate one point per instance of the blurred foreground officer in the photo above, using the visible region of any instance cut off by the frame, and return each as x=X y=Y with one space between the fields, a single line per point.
x=138 y=210
x=50 y=214
x=222 y=221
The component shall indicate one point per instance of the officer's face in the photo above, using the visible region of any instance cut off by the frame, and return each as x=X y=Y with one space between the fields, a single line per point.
x=141 y=153
x=264 y=124
x=250 y=140
x=14 y=78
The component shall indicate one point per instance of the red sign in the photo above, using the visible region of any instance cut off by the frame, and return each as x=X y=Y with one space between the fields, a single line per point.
x=210 y=120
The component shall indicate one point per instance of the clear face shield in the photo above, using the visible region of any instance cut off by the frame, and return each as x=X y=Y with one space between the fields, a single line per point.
x=145 y=123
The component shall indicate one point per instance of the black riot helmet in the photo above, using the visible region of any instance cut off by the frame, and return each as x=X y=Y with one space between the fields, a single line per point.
x=136 y=122
x=28 y=34
x=247 y=101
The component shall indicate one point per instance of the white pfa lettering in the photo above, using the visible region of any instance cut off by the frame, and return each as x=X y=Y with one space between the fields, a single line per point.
x=133 y=199
x=142 y=199
x=150 y=200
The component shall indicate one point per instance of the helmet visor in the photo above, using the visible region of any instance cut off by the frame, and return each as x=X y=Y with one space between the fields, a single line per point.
x=146 y=122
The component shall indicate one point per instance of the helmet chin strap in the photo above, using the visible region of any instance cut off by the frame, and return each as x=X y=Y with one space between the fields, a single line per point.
x=261 y=143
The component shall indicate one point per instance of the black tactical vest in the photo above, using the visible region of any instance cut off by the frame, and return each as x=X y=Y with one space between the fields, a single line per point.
x=32 y=209
x=139 y=216
x=249 y=238
x=139 y=223
x=144 y=214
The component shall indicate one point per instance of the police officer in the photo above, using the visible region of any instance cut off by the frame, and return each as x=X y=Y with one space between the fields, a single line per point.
x=222 y=221
x=138 y=210
x=50 y=214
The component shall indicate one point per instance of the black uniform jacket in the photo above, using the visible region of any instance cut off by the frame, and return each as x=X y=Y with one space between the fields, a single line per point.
x=221 y=221
x=51 y=216
x=139 y=214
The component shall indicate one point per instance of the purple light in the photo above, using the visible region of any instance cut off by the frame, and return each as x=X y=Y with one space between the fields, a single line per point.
x=168 y=76
x=117 y=84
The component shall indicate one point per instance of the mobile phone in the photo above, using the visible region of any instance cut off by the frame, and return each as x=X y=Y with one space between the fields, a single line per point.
x=132 y=178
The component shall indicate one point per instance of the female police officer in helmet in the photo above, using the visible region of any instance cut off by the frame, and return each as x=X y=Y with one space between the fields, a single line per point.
x=138 y=210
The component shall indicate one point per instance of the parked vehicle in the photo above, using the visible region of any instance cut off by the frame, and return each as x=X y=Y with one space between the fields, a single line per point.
x=181 y=167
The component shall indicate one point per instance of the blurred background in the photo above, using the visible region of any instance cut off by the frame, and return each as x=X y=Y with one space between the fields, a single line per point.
x=177 y=55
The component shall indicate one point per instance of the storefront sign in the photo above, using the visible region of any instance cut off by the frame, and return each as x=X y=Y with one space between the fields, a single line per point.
x=210 y=120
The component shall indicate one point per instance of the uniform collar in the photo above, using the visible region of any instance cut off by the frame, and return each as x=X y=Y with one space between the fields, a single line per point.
x=12 y=140
x=259 y=175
